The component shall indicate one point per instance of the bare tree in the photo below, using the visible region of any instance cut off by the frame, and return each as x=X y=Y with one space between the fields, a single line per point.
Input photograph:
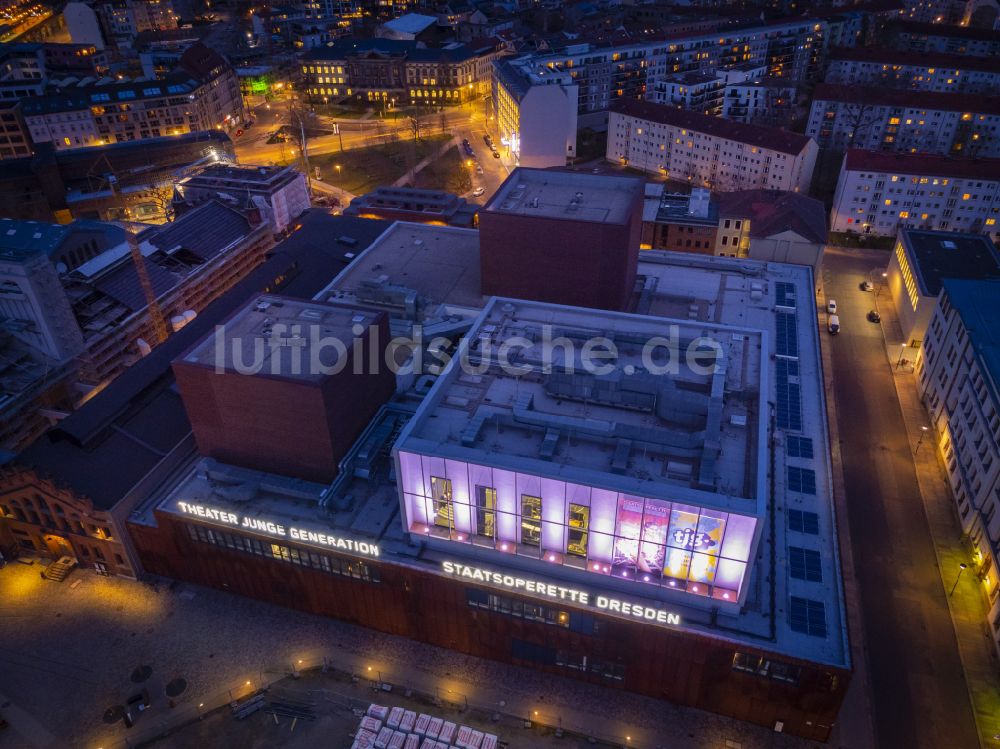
x=415 y=128
x=858 y=119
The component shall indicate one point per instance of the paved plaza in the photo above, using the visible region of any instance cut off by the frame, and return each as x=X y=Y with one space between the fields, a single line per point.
x=73 y=652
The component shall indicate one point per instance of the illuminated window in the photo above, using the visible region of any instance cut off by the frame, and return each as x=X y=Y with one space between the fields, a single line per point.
x=991 y=221
x=966 y=196
x=444 y=511
x=531 y=520
x=579 y=524
x=908 y=280
x=893 y=120
x=486 y=502
x=888 y=202
x=904 y=214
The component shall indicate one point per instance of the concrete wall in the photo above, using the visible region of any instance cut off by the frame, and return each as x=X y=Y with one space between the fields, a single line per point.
x=291 y=426
x=554 y=260
x=548 y=126
x=786 y=247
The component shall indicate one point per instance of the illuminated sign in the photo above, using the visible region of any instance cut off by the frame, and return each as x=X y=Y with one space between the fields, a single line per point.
x=279 y=530
x=545 y=589
x=691 y=539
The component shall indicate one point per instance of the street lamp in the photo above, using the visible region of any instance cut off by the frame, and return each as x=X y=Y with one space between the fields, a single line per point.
x=961 y=568
x=923 y=433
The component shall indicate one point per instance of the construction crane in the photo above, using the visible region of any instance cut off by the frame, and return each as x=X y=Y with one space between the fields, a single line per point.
x=152 y=305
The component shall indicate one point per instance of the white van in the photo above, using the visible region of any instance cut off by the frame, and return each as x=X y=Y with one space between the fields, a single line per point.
x=833 y=325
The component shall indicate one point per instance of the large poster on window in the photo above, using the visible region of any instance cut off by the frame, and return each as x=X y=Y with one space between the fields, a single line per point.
x=628 y=530
x=655 y=525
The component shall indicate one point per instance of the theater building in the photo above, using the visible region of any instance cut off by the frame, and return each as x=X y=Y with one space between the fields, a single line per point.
x=663 y=524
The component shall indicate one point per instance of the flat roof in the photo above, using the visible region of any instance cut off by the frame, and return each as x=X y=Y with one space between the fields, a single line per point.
x=552 y=413
x=439 y=263
x=937 y=255
x=283 y=330
x=978 y=304
x=571 y=196
x=241 y=177
x=775 y=300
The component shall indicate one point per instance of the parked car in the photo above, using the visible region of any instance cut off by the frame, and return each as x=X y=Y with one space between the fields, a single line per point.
x=833 y=325
x=496 y=155
x=478 y=191
x=867 y=286
x=488 y=141
x=874 y=316
x=479 y=169
x=831 y=307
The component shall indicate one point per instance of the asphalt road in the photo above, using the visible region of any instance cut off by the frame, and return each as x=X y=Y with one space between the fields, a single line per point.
x=919 y=694
x=252 y=146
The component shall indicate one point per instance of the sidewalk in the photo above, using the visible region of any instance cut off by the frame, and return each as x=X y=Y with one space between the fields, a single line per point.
x=968 y=604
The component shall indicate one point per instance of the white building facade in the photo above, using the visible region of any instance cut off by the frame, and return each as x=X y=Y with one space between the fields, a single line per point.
x=947 y=74
x=957 y=379
x=536 y=114
x=878 y=193
x=873 y=119
x=709 y=151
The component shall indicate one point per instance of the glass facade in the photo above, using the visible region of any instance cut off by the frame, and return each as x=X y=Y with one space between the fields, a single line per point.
x=702 y=551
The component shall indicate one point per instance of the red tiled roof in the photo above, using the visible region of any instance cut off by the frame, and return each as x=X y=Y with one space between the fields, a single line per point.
x=772 y=138
x=921 y=164
x=905 y=98
x=774 y=211
x=890 y=56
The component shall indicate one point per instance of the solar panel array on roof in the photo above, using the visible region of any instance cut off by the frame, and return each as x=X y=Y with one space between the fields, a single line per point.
x=805 y=564
x=808 y=616
x=798 y=447
x=785 y=294
x=789 y=408
x=787 y=335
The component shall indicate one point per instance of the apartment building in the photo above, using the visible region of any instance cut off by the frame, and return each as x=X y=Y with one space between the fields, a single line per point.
x=399 y=71
x=920 y=262
x=122 y=20
x=765 y=101
x=15 y=141
x=203 y=94
x=708 y=151
x=923 y=71
x=886 y=119
x=279 y=193
x=878 y=193
x=697 y=92
x=792 y=49
x=536 y=113
x=940 y=37
x=958 y=377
